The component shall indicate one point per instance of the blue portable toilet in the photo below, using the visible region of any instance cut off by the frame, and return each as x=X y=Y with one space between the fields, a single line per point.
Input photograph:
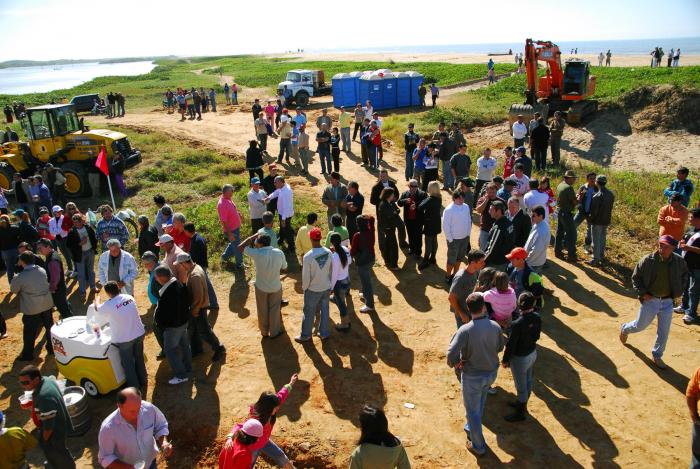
x=403 y=89
x=371 y=88
x=388 y=88
x=416 y=80
x=356 y=83
x=344 y=93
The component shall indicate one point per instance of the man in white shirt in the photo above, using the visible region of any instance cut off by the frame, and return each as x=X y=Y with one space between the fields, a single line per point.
x=538 y=240
x=522 y=182
x=256 y=204
x=536 y=198
x=457 y=225
x=57 y=231
x=129 y=436
x=485 y=167
x=127 y=332
x=369 y=110
x=316 y=283
x=519 y=132
x=118 y=265
x=285 y=206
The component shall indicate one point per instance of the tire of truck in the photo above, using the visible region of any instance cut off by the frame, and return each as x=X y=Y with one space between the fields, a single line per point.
x=76 y=179
x=302 y=98
x=6 y=174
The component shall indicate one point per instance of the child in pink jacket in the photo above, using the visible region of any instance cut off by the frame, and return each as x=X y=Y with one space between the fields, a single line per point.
x=502 y=299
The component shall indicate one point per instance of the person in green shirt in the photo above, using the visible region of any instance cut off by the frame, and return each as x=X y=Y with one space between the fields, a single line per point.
x=337 y=227
x=566 y=228
x=377 y=448
x=51 y=411
x=268 y=220
x=14 y=444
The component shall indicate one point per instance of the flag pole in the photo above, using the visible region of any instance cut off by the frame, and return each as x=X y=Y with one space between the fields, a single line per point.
x=111 y=194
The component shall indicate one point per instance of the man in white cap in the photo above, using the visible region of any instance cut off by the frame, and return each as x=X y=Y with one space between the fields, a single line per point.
x=119 y=266
x=131 y=435
x=171 y=250
x=256 y=204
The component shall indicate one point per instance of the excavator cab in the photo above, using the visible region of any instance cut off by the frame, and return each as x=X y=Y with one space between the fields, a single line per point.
x=46 y=128
x=576 y=75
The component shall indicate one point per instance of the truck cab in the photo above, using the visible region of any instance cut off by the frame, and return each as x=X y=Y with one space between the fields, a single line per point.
x=300 y=85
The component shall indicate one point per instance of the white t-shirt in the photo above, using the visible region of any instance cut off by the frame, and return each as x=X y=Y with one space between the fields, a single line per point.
x=519 y=130
x=338 y=272
x=485 y=168
x=534 y=199
x=523 y=184
x=123 y=317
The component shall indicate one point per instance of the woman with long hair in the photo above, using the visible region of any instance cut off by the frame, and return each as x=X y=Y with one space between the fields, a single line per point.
x=240 y=454
x=431 y=209
x=377 y=447
x=387 y=222
x=265 y=412
x=340 y=278
x=9 y=241
x=502 y=301
x=362 y=250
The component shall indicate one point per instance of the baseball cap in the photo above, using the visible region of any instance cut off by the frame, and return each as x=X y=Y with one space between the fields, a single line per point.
x=315 y=234
x=272 y=166
x=522 y=149
x=253 y=427
x=43 y=210
x=255 y=181
x=182 y=257
x=166 y=238
x=602 y=179
x=517 y=253
x=669 y=240
x=56 y=208
x=18 y=213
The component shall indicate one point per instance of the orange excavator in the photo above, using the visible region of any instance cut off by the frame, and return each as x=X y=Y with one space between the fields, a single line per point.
x=564 y=89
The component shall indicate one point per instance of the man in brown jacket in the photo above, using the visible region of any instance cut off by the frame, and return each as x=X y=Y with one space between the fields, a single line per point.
x=193 y=276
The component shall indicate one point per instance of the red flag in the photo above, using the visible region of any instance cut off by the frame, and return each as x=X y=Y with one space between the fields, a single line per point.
x=101 y=162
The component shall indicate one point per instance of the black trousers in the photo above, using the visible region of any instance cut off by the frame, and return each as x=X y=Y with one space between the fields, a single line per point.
x=358 y=125
x=56 y=452
x=287 y=234
x=335 y=153
x=61 y=303
x=256 y=172
x=390 y=253
x=32 y=326
x=414 y=230
x=200 y=331
x=540 y=155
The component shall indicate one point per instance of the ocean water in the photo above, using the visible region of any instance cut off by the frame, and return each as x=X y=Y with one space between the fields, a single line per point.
x=688 y=45
x=18 y=80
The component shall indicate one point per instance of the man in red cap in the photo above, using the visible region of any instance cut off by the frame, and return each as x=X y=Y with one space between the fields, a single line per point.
x=523 y=277
x=658 y=278
x=316 y=283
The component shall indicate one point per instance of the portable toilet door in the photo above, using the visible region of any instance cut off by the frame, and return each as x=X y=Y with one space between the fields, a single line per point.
x=416 y=80
x=389 y=90
x=371 y=89
x=338 y=88
x=403 y=89
x=355 y=78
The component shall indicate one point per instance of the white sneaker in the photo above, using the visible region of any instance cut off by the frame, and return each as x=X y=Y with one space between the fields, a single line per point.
x=176 y=380
x=366 y=309
x=679 y=309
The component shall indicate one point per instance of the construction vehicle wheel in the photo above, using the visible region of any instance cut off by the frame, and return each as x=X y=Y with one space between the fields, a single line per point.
x=302 y=98
x=76 y=179
x=6 y=174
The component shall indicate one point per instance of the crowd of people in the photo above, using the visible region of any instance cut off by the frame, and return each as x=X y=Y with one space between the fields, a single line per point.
x=495 y=287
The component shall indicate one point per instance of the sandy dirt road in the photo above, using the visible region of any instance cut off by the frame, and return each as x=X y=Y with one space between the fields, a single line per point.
x=596 y=403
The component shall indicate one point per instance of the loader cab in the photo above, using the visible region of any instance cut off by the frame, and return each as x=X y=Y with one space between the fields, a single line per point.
x=576 y=74
x=47 y=126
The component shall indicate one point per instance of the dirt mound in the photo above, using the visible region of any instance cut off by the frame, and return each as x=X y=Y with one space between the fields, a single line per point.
x=663 y=108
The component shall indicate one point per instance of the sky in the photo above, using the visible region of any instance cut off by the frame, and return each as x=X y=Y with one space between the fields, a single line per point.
x=72 y=29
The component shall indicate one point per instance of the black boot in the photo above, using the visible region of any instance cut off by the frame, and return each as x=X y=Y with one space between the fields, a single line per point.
x=519 y=414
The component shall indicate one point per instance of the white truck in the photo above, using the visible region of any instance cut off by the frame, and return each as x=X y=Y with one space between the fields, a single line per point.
x=300 y=85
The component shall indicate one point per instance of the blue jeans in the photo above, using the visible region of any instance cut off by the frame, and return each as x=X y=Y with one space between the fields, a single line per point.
x=213 y=300
x=232 y=248
x=599 y=235
x=365 y=273
x=566 y=231
x=695 y=447
x=313 y=301
x=200 y=330
x=86 y=271
x=345 y=138
x=131 y=354
x=9 y=257
x=656 y=307
x=447 y=180
x=578 y=219
x=521 y=368
x=272 y=451
x=372 y=153
x=325 y=157
x=176 y=343
x=483 y=239
x=691 y=295
x=474 y=393
x=409 y=165
x=339 y=291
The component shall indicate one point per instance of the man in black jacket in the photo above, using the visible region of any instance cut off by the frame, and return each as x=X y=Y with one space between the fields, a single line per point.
x=412 y=217
x=268 y=184
x=55 y=274
x=198 y=253
x=172 y=315
x=148 y=236
x=539 y=141
x=522 y=225
x=377 y=189
x=82 y=244
x=448 y=148
x=500 y=238
x=600 y=217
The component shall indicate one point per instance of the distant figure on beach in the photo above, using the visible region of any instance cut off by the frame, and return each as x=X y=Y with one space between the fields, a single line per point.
x=669 y=59
x=572 y=52
x=608 y=55
x=434 y=92
x=490 y=65
x=601 y=57
x=676 y=57
x=576 y=51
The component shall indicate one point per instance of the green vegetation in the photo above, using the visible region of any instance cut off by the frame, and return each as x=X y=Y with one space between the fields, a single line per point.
x=191 y=179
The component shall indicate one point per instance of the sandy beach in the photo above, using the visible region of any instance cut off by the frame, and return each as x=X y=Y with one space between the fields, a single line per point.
x=617 y=60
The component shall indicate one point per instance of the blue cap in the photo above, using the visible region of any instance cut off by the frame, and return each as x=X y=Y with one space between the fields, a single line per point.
x=18 y=213
x=521 y=149
x=255 y=181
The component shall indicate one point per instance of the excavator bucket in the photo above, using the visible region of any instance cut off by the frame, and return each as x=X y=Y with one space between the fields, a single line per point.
x=527 y=111
x=580 y=110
